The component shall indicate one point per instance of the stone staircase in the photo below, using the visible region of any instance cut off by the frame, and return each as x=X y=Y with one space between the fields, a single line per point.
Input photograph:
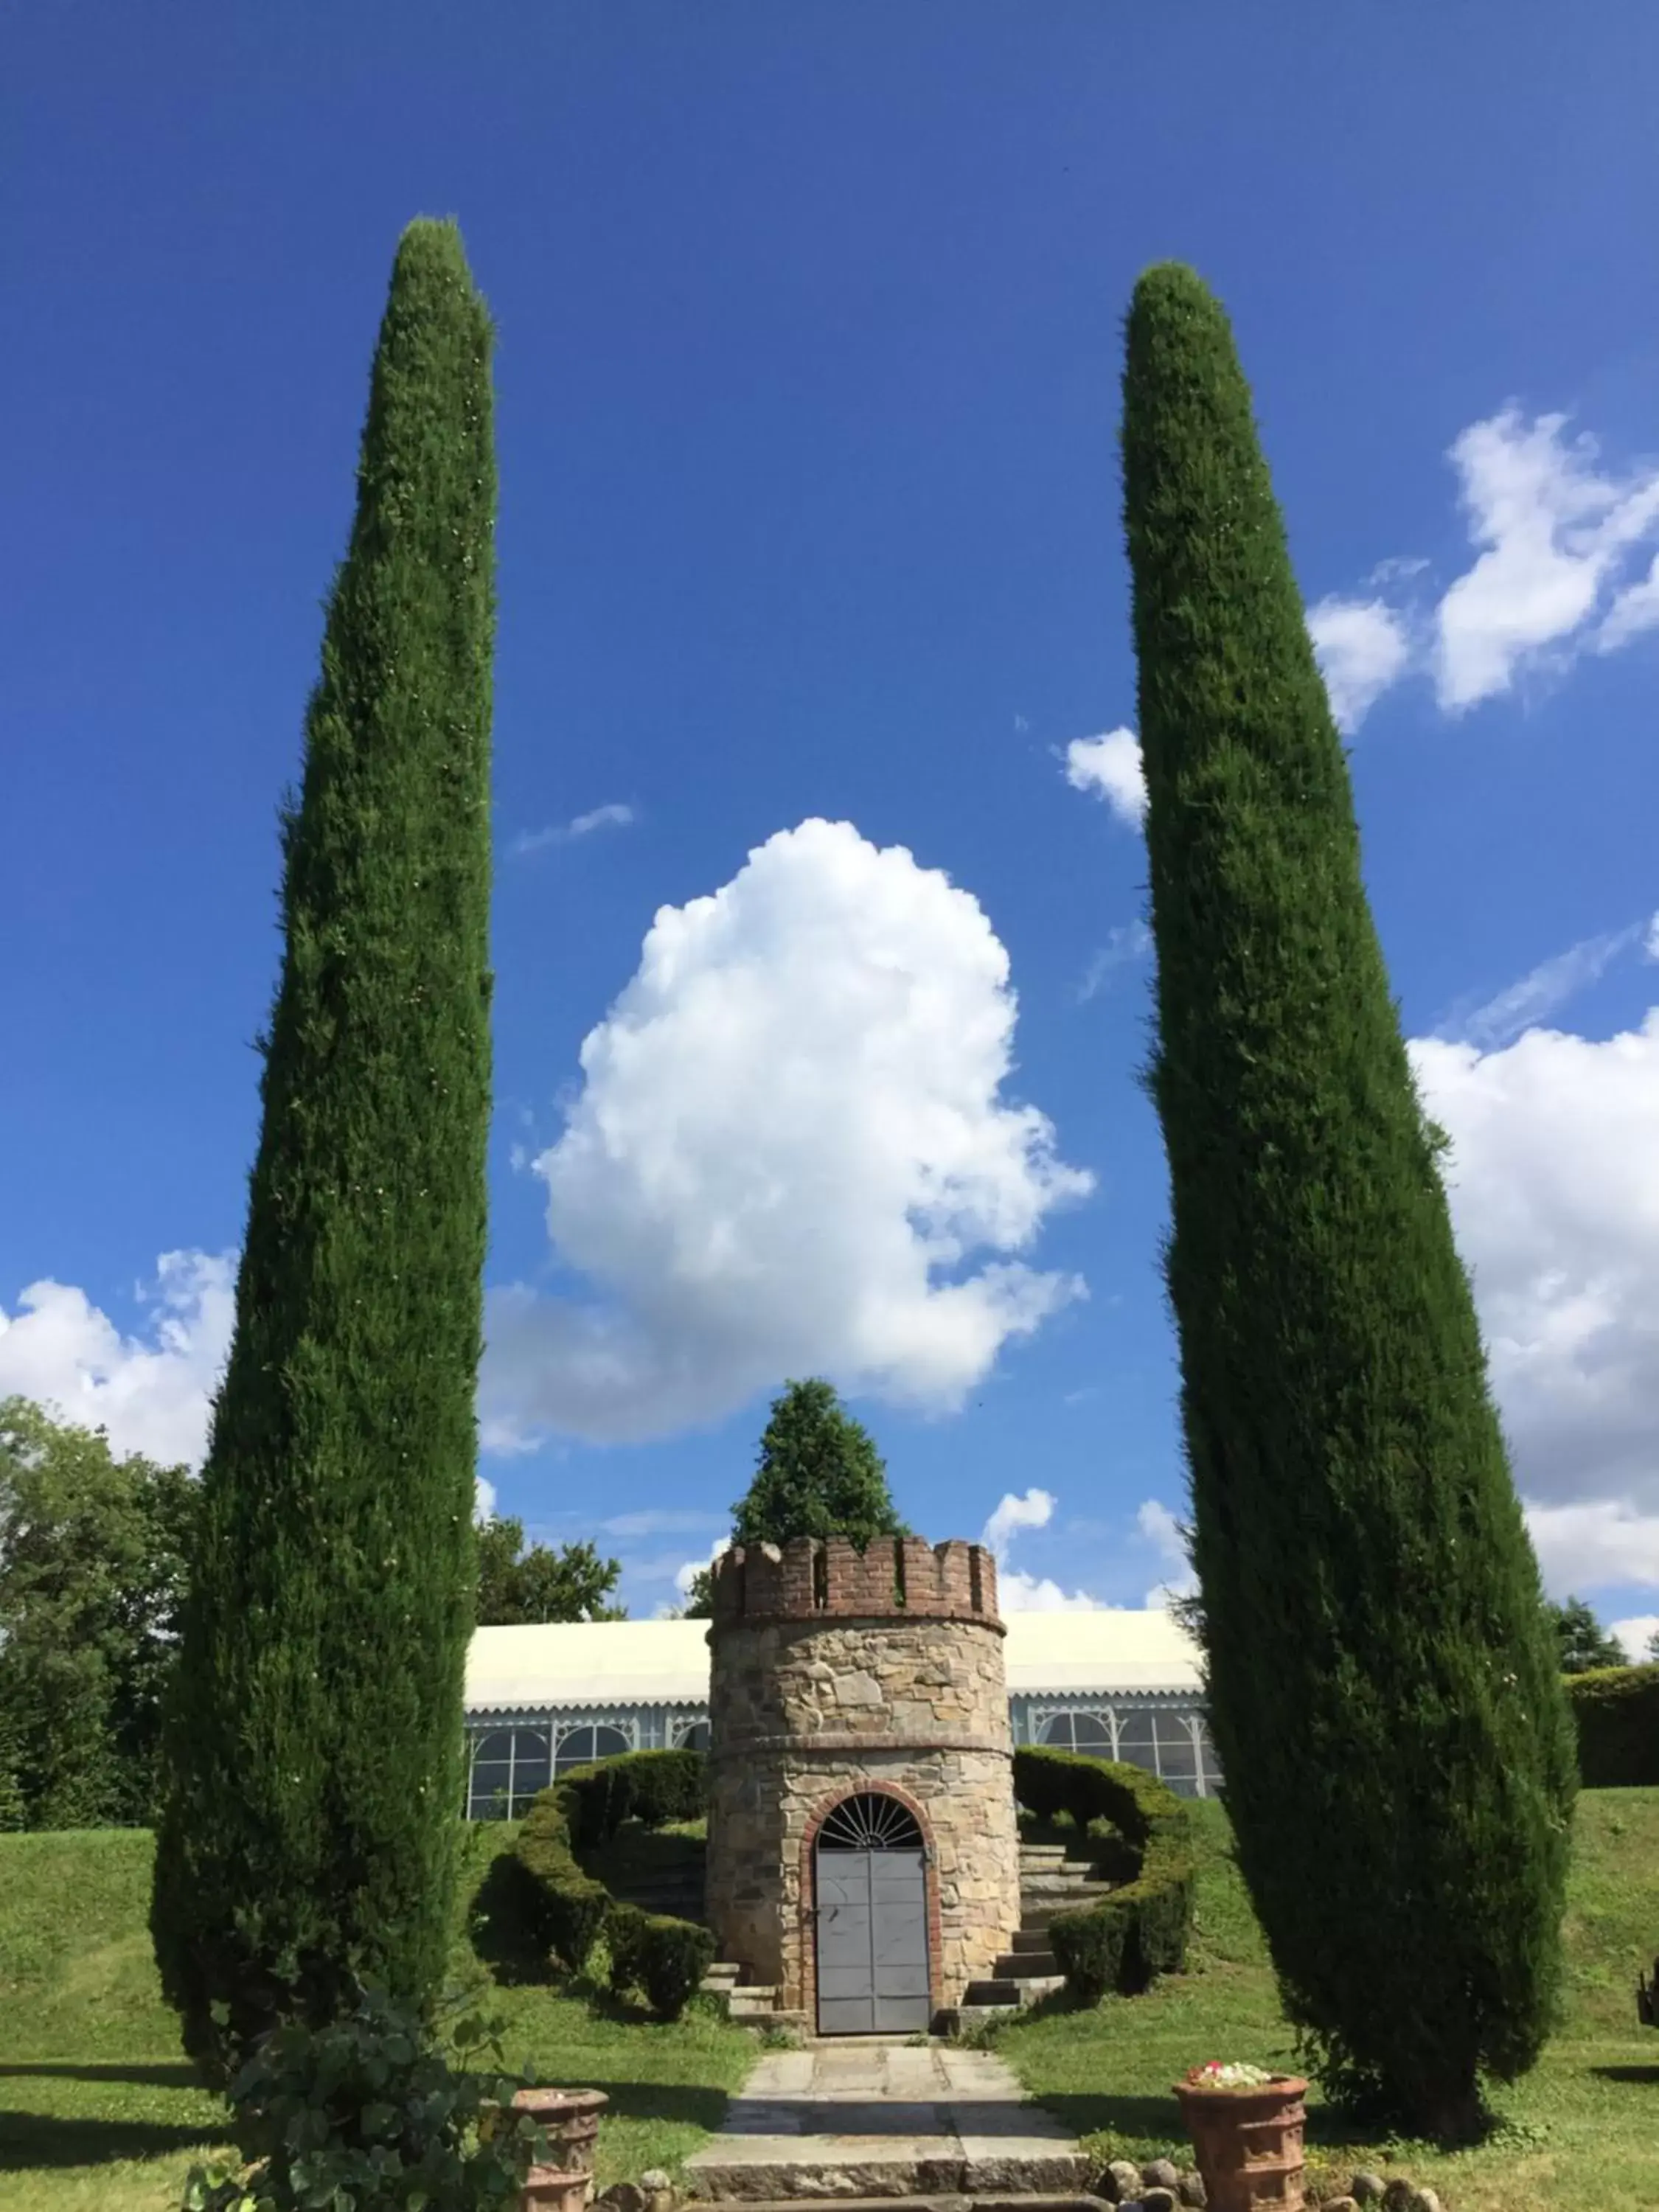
x=1053 y=1878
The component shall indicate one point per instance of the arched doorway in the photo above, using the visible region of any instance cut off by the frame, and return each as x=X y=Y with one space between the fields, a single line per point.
x=871 y=1877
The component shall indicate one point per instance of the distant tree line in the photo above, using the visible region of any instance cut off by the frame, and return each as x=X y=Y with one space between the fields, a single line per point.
x=95 y=1552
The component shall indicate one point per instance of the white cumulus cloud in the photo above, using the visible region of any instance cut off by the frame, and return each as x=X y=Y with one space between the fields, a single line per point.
x=790 y=1154
x=1553 y=530
x=152 y=1392
x=1018 y=1591
x=1363 y=646
x=1556 y=539
x=1109 y=768
x=1553 y=1180
x=1637 y=1634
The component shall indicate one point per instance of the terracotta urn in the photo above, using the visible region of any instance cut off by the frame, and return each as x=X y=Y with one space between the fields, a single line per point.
x=570 y=2120
x=1248 y=2143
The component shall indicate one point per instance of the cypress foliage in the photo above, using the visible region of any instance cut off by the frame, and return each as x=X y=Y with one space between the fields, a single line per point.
x=1383 y=1678
x=314 y=1753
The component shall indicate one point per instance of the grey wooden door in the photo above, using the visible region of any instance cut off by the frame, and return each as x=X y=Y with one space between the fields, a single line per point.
x=872 y=1921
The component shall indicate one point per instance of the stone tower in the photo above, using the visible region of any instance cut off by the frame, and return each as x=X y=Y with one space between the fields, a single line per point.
x=861 y=1811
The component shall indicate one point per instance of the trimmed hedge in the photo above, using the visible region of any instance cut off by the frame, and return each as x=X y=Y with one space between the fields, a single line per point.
x=1141 y=1930
x=1616 y=1712
x=664 y=1958
x=566 y=1908
x=568 y=1911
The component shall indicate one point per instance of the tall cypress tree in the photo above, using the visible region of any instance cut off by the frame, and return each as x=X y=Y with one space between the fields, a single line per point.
x=314 y=1760
x=1382 y=1681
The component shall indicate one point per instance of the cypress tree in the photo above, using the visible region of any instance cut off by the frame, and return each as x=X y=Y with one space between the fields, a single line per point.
x=1383 y=1680
x=314 y=1750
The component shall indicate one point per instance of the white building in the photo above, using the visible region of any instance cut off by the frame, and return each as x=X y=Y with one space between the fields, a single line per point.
x=1115 y=1684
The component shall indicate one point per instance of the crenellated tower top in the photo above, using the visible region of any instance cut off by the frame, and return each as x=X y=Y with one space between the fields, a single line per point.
x=828 y=1578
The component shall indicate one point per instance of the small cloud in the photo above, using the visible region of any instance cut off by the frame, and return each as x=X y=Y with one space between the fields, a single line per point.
x=1650 y=942
x=1636 y=1635
x=613 y=817
x=1633 y=609
x=1018 y=1592
x=1541 y=992
x=1021 y=726
x=687 y=1572
x=1078 y=1397
x=1109 y=767
x=658 y=1524
x=483 y=1499
x=1034 y=1511
x=1160 y=1529
x=1362 y=647
x=1122 y=948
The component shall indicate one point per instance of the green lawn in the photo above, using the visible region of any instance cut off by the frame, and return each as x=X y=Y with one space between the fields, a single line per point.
x=97 y=2109
x=1582 y=2128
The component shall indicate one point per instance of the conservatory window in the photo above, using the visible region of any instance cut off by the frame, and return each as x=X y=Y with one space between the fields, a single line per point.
x=578 y=1745
x=509 y=1765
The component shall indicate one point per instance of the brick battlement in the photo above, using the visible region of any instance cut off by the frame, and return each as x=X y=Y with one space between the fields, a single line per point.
x=821 y=1579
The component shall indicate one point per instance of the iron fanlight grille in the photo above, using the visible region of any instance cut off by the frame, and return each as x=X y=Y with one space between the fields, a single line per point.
x=869 y=1822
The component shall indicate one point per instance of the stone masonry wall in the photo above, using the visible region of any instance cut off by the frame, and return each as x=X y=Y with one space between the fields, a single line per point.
x=833 y=1672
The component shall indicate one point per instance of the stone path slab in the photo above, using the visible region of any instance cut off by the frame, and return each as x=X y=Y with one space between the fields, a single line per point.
x=847 y=2119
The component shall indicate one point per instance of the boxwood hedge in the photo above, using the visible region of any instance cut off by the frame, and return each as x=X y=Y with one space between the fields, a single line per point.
x=1141 y=1930
x=569 y=1911
x=1616 y=1710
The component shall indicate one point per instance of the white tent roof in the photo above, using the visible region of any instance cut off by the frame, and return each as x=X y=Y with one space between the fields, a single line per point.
x=665 y=1663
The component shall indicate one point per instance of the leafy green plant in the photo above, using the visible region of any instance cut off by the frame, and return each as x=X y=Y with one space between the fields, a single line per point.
x=371 y=2114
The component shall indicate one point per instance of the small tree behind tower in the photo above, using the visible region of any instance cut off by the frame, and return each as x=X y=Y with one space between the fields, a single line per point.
x=820 y=1474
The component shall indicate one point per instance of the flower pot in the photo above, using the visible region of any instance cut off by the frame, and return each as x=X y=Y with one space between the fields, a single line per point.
x=1247 y=2143
x=570 y=2120
x=547 y=2190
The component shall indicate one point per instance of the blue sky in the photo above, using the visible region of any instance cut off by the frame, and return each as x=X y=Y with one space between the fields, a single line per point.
x=809 y=323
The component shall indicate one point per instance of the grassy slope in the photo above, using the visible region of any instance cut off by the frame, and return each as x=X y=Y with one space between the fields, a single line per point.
x=1590 y=2107
x=97 y=2109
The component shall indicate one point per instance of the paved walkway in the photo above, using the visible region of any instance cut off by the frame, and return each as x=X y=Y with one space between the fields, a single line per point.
x=848 y=2118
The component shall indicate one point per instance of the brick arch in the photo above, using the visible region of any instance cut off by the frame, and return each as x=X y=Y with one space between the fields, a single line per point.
x=864 y=1786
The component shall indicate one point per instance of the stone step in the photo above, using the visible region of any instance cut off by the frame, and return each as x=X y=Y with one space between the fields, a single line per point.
x=752 y=2001
x=1029 y=1939
x=1050 y=1884
x=992 y=1992
x=1039 y=1911
x=957 y=2020
x=1015 y=1966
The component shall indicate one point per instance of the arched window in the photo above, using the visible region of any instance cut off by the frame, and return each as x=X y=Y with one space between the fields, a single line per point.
x=509 y=1765
x=691 y=1735
x=579 y=1745
x=1088 y=1733
x=872 y=1822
